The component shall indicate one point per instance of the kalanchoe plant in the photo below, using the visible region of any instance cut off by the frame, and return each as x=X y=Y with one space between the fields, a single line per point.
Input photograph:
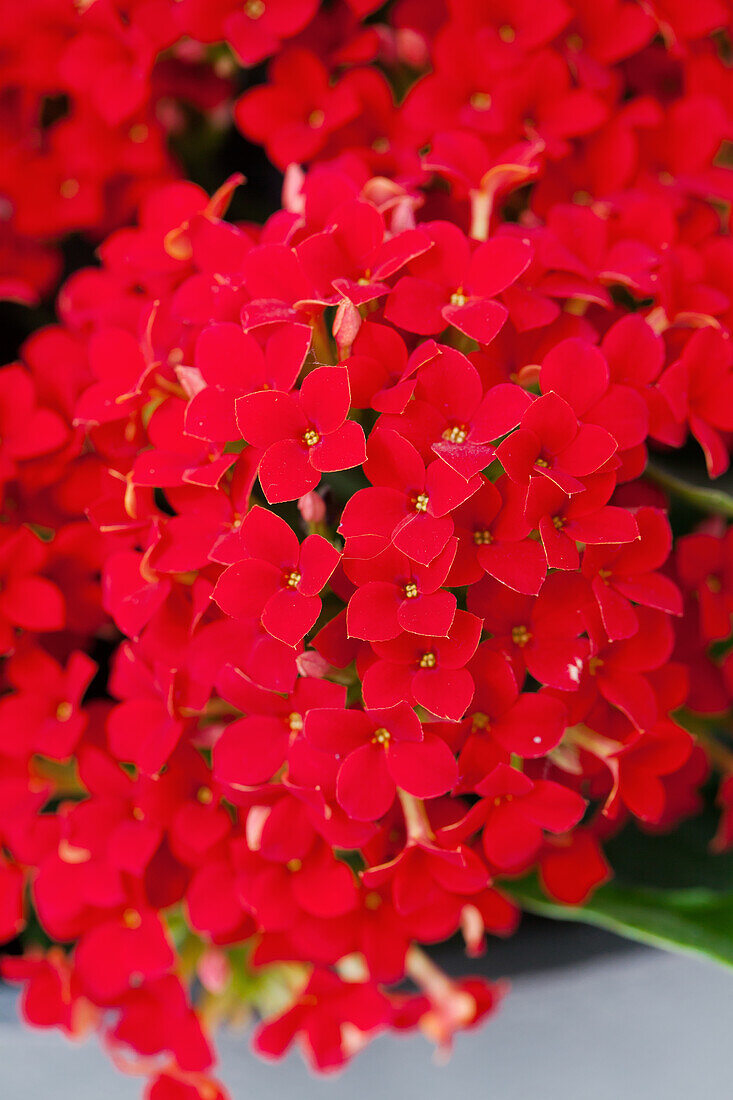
x=349 y=518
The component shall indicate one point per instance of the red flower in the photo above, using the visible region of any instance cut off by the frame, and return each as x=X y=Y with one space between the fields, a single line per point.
x=550 y=443
x=43 y=714
x=251 y=750
x=395 y=594
x=512 y=814
x=429 y=671
x=573 y=866
x=493 y=538
x=157 y=1017
x=295 y=114
x=111 y=956
x=381 y=750
x=431 y=885
x=27 y=429
x=353 y=256
x=318 y=1020
x=12 y=889
x=279 y=583
x=451 y=415
x=257 y=30
x=408 y=505
x=617 y=670
x=27 y=600
x=302 y=434
x=528 y=724
x=544 y=634
x=450 y=285
x=564 y=521
x=704 y=565
x=232 y=363
x=639 y=767
x=622 y=574
x=699 y=389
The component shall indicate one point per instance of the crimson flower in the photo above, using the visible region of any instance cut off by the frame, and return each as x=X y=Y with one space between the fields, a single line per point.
x=256 y=29
x=704 y=565
x=551 y=443
x=408 y=504
x=43 y=715
x=564 y=521
x=27 y=600
x=394 y=594
x=294 y=114
x=543 y=635
x=699 y=389
x=528 y=724
x=451 y=285
x=115 y=953
x=232 y=363
x=429 y=671
x=640 y=766
x=352 y=257
x=572 y=866
x=492 y=532
x=252 y=749
x=302 y=435
x=381 y=750
x=279 y=583
x=27 y=429
x=317 y=1019
x=451 y=414
x=624 y=575
x=513 y=812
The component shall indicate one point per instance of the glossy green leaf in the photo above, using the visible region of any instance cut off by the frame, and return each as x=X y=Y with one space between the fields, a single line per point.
x=695 y=921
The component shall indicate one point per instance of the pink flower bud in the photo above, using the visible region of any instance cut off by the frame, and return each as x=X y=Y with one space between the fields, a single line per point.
x=312 y=508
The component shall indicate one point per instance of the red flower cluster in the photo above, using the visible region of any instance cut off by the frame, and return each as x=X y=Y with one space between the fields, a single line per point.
x=358 y=498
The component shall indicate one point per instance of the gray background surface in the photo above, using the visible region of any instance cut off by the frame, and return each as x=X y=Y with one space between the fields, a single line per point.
x=587 y=1018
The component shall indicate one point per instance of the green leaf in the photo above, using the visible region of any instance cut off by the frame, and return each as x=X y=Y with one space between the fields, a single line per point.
x=694 y=921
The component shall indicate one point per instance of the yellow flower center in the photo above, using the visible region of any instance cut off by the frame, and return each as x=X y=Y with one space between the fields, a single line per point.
x=292 y=579
x=507 y=33
x=254 y=9
x=316 y=119
x=64 y=711
x=410 y=591
x=428 y=660
x=483 y=538
x=381 y=736
x=131 y=918
x=480 y=101
x=420 y=502
x=520 y=636
x=311 y=437
x=456 y=434
x=69 y=188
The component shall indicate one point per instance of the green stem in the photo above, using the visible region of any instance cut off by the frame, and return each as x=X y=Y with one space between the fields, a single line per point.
x=707 y=500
